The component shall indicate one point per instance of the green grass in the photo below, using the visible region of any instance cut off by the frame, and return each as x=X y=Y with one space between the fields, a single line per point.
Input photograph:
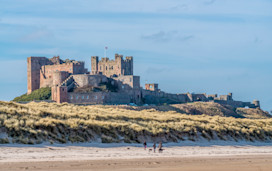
x=40 y=94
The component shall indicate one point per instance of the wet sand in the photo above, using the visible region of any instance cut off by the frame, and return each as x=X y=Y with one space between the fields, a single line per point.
x=214 y=158
x=230 y=163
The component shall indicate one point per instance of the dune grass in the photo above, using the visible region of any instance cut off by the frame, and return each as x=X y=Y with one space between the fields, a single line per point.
x=34 y=123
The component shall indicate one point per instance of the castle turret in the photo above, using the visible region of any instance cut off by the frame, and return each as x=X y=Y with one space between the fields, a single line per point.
x=129 y=65
x=94 y=61
x=256 y=103
x=59 y=77
x=112 y=68
x=34 y=65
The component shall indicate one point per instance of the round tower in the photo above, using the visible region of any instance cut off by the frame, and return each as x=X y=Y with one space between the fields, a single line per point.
x=57 y=78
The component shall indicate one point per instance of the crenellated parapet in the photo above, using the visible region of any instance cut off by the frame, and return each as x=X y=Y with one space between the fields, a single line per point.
x=41 y=70
x=112 y=68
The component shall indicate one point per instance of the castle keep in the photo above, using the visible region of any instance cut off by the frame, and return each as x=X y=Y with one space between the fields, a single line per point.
x=109 y=82
x=110 y=68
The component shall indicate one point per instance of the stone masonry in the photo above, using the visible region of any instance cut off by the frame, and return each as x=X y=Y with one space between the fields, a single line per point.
x=112 y=68
x=40 y=71
x=109 y=82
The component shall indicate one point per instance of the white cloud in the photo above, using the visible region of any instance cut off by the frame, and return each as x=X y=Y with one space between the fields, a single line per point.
x=38 y=35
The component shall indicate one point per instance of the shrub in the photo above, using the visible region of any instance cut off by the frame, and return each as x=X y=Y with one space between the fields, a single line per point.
x=40 y=94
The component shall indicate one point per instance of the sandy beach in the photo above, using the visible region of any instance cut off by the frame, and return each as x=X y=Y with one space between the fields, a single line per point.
x=135 y=158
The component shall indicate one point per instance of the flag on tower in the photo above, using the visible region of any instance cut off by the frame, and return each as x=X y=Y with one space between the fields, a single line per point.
x=105 y=51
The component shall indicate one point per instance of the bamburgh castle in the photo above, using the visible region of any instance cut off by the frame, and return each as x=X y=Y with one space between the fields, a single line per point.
x=108 y=82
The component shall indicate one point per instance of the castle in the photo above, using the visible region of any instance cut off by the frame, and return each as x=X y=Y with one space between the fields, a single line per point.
x=109 y=82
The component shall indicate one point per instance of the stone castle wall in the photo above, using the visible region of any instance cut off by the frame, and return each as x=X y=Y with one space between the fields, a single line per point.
x=40 y=71
x=127 y=82
x=109 y=68
x=85 y=80
x=65 y=77
x=98 y=98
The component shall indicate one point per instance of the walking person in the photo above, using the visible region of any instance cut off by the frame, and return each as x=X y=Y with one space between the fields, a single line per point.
x=160 y=147
x=145 y=145
x=154 y=147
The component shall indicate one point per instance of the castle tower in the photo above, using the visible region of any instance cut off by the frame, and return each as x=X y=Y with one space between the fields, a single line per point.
x=94 y=61
x=256 y=103
x=34 y=65
x=112 y=68
x=59 y=77
x=129 y=65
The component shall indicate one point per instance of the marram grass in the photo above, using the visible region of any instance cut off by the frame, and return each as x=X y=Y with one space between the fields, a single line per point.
x=39 y=122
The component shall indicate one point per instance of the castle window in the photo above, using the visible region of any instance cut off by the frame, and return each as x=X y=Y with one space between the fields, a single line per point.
x=87 y=97
x=71 y=97
x=95 y=97
x=82 y=97
x=102 y=97
x=76 y=97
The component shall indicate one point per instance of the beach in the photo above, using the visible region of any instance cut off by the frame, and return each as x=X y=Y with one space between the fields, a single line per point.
x=213 y=157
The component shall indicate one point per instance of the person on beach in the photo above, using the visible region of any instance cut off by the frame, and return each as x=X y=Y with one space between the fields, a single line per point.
x=160 y=147
x=145 y=145
x=154 y=147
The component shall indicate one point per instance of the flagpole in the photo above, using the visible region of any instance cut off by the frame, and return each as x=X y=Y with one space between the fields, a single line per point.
x=105 y=52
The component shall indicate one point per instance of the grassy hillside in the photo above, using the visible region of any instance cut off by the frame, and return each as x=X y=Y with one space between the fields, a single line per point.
x=38 y=122
x=40 y=94
x=207 y=108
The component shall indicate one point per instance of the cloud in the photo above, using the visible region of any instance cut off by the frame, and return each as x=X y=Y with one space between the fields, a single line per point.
x=177 y=8
x=37 y=35
x=41 y=51
x=163 y=36
x=210 y=2
x=185 y=38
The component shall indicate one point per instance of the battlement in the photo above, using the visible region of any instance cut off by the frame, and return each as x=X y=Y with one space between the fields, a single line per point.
x=117 y=56
x=152 y=87
x=129 y=58
x=66 y=77
x=112 y=68
x=40 y=70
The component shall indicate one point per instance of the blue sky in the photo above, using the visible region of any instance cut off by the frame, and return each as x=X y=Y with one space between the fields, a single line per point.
x=196 y=46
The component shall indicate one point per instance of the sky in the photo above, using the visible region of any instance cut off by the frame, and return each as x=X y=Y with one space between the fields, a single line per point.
x=200 y=46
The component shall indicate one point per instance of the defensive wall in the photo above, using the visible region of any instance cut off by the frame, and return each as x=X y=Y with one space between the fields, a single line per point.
x=109 y=82
x=40 y=71
x=110 y=68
